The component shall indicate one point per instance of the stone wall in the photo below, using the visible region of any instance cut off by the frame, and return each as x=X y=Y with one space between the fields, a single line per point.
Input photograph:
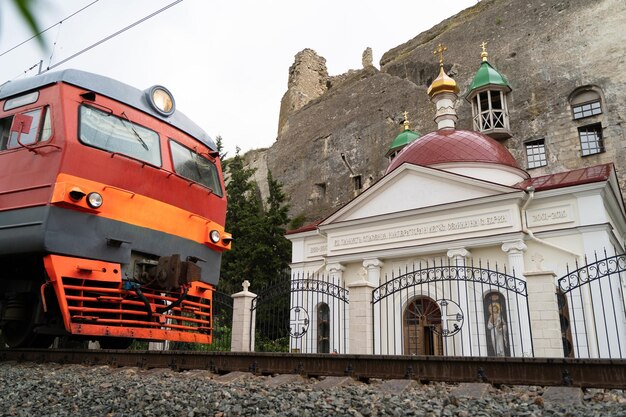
x=332 y=129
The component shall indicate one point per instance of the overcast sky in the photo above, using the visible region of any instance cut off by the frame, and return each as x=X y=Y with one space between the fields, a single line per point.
x=226 y=62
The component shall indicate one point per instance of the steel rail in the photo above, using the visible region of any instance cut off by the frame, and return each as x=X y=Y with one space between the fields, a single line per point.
x=584 y=373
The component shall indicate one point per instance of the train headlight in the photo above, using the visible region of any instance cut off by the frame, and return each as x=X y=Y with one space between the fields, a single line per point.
x=215 y=236
x=161 y=100
x=94 y=200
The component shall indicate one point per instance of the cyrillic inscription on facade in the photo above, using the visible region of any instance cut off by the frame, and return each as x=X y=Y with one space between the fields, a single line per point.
x=424 y=230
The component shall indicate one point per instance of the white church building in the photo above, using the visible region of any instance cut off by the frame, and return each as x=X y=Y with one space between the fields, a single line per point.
x=457 y=251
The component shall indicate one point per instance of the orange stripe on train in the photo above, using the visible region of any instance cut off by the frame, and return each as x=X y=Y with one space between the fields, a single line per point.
x=129 y=207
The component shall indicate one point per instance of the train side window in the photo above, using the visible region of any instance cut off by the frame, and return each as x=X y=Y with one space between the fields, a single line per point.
x=39 y=132
x=5 y=127
x=195 y=167
x=119 y=135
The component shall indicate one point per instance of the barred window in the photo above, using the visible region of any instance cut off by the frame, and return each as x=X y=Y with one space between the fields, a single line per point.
x=536 y=153
x=591 y=139
x=586 y=102
x=587 y=109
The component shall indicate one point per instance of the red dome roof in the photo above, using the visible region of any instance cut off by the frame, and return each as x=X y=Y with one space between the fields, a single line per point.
x=451 y=145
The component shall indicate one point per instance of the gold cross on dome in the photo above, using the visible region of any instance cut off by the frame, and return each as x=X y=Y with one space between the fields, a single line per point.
x=440 y=50
x=406 y=120
x=484 y=53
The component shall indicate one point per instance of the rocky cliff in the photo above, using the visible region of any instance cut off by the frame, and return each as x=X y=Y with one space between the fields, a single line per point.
x=334 y=130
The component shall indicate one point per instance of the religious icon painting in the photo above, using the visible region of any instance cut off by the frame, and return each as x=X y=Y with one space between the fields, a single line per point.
x=496 y=325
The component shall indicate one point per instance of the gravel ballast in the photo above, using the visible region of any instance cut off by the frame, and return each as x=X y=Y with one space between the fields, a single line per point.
x=28 y=389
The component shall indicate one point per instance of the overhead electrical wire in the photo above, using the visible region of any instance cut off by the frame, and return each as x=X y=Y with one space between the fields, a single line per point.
x=47 y=29
x=112 y=35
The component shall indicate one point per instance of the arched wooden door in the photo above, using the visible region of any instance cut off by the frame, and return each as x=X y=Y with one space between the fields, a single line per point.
x=422 y=328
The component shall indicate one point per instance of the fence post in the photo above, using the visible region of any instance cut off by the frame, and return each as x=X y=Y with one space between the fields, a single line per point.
x=243 y=320
x=544 y=314
x=361 y=317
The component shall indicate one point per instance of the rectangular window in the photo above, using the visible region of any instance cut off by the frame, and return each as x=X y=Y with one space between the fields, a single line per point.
x=103 y=130
x=536 y=153
x=195 y=167
x=590 y=139
x=583 y=110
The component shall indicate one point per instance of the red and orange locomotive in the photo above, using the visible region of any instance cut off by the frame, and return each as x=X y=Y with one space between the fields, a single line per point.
x=112 y=210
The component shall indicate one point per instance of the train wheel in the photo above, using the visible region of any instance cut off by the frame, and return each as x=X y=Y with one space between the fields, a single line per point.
x=115 y=342
x=24 y=314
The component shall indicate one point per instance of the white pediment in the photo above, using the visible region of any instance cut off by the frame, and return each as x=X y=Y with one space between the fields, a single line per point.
x=412 y=187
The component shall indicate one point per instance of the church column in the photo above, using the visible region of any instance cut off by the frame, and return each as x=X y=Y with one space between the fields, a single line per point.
x=339 y=323
x=461 y=343
x=519 y=327
x=373 y=267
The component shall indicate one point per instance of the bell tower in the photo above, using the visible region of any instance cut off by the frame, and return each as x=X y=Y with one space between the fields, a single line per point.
x=488 y=96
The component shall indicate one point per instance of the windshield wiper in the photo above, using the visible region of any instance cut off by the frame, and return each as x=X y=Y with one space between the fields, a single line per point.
x=131 y=128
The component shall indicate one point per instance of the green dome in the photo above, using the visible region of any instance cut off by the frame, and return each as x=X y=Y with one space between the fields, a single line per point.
x=407 y=136
x=487 y=75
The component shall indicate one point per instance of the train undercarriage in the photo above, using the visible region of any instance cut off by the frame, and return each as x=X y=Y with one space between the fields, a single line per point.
x=44 y=297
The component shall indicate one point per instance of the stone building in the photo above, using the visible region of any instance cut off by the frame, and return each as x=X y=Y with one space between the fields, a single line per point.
x=460 y=249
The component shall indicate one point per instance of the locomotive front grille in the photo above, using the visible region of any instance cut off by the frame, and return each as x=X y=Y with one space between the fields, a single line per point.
x=101 y=305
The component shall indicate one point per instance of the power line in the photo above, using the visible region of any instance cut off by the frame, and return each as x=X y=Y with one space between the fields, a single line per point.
x=47 y=29
x=113 y=35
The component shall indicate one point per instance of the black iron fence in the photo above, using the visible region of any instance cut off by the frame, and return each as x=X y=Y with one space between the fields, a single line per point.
x=452 y=310
x=592 y=308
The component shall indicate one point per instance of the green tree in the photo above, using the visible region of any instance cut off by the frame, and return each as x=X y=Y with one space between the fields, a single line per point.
x=220 y=150
x=276 y=219
x=260 y=252
x=243 y=218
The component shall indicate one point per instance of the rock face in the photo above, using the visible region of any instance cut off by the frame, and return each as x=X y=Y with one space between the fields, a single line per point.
x=334 y=131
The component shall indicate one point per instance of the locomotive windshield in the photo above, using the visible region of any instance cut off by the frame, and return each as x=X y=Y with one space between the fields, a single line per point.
x=103 y=130
x=195 y=167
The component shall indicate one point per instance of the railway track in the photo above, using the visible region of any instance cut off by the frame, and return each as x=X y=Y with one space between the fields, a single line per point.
x=584 y=373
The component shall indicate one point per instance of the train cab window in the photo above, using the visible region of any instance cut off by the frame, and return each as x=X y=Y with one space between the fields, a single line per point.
x=105 y=131
x=40 y=129
x=195 y=167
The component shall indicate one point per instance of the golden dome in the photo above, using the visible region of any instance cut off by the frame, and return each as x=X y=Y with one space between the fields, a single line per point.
x=442 y=84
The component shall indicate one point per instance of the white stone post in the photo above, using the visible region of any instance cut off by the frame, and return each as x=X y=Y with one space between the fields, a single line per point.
x=544 y=314
x=522 y=342
x=460 y=345
x=360 y=335
x=340 y=323
x=244 y=321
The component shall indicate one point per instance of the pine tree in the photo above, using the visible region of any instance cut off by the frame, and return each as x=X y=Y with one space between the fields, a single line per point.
x=276 y=220
x=260 y=252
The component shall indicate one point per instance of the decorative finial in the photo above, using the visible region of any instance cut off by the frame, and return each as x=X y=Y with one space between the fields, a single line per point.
x=440 y=50
x=406 y=120
x=245 y=285
x=484 y=53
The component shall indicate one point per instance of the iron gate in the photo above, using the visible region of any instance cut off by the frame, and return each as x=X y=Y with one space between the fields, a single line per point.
x=592 y=308
x=452 y=310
